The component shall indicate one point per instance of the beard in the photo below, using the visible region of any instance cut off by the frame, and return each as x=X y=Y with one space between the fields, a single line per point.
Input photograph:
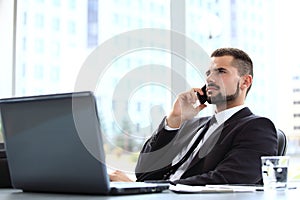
x=221 y=99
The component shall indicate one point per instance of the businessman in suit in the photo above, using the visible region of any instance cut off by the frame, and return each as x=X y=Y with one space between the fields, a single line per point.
x=222 y=149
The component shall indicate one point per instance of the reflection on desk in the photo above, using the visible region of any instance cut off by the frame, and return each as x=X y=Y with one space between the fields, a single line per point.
x=12 y=194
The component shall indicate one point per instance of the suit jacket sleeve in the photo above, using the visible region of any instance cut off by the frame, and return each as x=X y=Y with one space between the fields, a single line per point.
x=156 y=155
x=159 y=150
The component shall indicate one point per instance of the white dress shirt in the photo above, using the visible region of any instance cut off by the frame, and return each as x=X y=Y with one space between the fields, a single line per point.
x=221 y=117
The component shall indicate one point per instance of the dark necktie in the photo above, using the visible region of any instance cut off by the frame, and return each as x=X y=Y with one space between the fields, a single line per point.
x=193 y=147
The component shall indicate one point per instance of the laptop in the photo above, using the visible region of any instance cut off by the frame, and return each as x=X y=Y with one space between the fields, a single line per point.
x=54 y=144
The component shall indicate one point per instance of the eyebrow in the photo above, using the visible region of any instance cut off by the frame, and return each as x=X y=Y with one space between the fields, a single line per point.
x=215 y=69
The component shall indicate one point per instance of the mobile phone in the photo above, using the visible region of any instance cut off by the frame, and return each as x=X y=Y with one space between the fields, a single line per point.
x=202 y=98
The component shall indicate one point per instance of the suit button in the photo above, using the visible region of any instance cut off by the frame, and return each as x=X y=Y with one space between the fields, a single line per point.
x=166 y=176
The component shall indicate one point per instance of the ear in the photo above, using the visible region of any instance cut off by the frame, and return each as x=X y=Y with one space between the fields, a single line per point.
x=246 y=82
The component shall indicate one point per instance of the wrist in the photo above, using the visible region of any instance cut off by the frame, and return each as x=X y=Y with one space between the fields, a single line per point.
x=173 y=122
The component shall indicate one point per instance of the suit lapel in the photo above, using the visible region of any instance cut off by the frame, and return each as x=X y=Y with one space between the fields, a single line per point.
x=190 y=137
x=219 y=134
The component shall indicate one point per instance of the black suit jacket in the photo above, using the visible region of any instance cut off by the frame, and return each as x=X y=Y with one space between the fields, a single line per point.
x=234 y=159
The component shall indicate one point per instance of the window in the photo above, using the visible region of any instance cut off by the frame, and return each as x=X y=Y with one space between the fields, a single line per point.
x=296 y=90
x=55 y=24
x=56 y=3
x=138 y=108
x=92 y=23
x=39 y=46
x=24 y=18
x=297 y=115
x=39 y=21
x=38 y=72
x=72 y=4
x=72 y=28
x=24 y=44
x=54 y=74
x=55 y=49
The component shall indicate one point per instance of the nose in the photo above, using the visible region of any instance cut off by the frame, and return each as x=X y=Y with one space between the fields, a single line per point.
x=210 y=78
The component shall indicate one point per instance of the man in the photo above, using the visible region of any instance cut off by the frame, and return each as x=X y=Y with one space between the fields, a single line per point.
x=229 y=150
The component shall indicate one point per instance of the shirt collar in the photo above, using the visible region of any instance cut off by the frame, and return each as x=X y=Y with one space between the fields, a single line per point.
x=222 y=116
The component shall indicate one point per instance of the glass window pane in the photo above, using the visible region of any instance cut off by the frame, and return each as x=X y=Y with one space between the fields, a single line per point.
x=56 y=37
x=256 y=27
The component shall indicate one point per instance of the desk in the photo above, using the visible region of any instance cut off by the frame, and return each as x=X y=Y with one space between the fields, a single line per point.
x=11 y=194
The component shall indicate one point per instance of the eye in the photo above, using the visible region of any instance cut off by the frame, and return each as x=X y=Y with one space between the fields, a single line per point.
x=207 y=73
x=221 y=71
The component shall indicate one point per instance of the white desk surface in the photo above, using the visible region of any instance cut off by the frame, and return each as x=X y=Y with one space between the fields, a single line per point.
x=293 y=194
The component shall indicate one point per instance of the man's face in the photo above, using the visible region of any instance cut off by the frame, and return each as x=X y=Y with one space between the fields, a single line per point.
x=222 y=81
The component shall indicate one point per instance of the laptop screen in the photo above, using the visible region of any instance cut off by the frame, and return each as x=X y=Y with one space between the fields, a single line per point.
x=54 y=143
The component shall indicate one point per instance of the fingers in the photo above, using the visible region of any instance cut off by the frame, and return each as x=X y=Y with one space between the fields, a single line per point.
x=188 y=97
x=197 y=105
x=201 y=107
x=185 y=107
x=198 y=90
x=118 y=176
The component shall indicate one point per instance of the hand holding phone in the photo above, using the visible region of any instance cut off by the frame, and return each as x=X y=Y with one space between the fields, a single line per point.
x=202 y=98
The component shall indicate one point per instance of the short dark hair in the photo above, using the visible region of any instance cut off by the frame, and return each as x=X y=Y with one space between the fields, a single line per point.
x=241 y=60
